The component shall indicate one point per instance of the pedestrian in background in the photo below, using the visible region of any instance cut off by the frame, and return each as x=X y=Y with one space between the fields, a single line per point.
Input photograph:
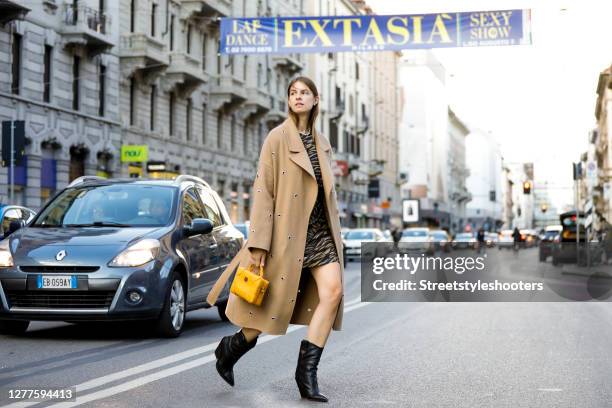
x=295 y=235
x=480 y=238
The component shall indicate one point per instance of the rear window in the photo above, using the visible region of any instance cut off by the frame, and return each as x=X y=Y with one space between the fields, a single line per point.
x=357 y=235
x=414 y=233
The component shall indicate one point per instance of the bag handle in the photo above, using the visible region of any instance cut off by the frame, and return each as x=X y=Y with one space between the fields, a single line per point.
x=261 y=271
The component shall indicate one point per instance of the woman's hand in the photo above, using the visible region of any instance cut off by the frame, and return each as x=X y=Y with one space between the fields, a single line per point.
x=258 y=257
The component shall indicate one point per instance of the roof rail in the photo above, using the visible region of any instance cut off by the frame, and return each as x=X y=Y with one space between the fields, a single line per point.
x=187 y=177
x=83 y=179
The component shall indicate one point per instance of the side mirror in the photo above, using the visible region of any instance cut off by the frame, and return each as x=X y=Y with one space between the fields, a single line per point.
x=198 y=226
x=13 y=226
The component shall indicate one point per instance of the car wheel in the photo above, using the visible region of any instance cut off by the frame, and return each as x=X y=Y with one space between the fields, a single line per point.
x=172 y=317
x=221 y=306
x=14 y=327
x=542 y=258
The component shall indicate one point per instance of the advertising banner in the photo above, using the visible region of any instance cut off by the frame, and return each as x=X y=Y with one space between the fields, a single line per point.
x=285 y=35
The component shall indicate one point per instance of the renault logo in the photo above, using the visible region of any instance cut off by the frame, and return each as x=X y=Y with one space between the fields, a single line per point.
x=60 y=255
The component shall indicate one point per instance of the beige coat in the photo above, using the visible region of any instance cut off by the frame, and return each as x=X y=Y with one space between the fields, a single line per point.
x=284 y=193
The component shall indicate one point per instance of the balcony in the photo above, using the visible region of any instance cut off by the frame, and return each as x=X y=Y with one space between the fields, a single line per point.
x=85 y=27
x=288 y=63
x=228 y=93
x=11 y=10
x=257 y=103
x=144 y=55
x=277 y=113
x=184 y=73
x=338 y=110
x=205 y=8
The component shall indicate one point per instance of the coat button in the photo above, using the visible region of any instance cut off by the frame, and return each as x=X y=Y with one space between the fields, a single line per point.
x=309 y=309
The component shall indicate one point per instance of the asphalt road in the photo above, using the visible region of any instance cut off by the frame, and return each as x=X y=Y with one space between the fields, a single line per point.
x=409 y=354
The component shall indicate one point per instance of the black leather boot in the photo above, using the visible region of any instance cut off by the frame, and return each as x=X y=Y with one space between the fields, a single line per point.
x=229 y=350
x=306 y=371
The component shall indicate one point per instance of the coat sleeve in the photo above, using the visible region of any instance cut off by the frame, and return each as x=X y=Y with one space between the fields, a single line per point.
x=262 y=212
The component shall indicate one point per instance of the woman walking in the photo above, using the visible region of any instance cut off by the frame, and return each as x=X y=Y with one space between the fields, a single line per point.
x=295 y=234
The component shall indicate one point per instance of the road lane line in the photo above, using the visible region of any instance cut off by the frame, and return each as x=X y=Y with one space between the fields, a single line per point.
x=97 y=382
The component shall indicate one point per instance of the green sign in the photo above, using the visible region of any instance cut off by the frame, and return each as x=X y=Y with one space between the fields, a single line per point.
x=134 y=153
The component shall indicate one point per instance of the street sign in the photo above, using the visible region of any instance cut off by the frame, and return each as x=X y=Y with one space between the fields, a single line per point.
x=410 y=211
x=588 y=206
x=134 y=153
x=18 y=133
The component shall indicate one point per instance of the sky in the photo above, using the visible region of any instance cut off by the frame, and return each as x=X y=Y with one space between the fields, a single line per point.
x=537 y=100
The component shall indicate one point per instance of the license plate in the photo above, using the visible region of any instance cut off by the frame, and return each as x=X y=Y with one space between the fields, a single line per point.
x=56 y=282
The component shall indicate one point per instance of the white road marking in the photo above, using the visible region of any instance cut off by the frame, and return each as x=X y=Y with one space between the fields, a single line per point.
x=550 y=389
x=138 y=382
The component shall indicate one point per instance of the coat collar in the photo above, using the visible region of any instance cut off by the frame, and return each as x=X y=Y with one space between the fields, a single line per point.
x=299 y=155
x=295 y=142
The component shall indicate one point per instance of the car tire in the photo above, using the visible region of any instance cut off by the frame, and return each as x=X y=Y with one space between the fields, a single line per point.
x=14 y=327
x=221 y=307
x=172 y=317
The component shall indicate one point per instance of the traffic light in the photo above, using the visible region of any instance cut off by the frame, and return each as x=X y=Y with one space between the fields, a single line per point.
x=527 y=187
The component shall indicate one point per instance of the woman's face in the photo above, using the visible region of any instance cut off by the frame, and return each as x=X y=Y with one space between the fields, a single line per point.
x=301 y=98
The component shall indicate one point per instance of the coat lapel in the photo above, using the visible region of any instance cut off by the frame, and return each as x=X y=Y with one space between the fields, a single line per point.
x=296 y=148
x=299 y=155
x=323 y=152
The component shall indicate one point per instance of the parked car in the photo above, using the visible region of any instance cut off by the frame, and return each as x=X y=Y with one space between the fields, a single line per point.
x=491 y=239
x=565 y=248
x=505 y=240
x=118 y=249
x=529 y=238
x=439 y=240
x=416 y=239
x=354 y=237
x=548 y=239
x=464 y=240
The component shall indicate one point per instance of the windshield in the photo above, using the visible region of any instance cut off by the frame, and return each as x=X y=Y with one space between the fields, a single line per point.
x=464 y=236
x=359 y=235
x=242 y=228
x=120 y=205
x=438 y=235
x=414 y=233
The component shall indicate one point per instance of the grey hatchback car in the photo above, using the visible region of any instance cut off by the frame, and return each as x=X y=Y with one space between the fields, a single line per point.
x=118 y=249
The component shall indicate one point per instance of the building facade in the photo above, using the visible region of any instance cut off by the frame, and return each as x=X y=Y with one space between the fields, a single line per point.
x=603 y=151
x=200 y=112
x=485 y=181
x=457 y=173
x=59 y=73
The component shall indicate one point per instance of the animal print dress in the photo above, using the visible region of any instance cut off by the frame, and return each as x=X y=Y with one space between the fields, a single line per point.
x=320 y=247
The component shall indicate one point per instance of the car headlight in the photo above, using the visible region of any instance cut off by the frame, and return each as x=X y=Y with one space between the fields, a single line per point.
x=138 y=254
x=6 y=258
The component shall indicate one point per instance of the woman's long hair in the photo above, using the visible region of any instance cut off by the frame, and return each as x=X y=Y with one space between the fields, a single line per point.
x=314 y=112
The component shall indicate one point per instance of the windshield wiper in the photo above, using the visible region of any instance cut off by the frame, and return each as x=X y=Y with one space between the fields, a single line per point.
x=99 y=224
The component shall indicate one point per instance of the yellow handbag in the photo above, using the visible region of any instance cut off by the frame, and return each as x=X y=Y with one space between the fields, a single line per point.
x=249 y=286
